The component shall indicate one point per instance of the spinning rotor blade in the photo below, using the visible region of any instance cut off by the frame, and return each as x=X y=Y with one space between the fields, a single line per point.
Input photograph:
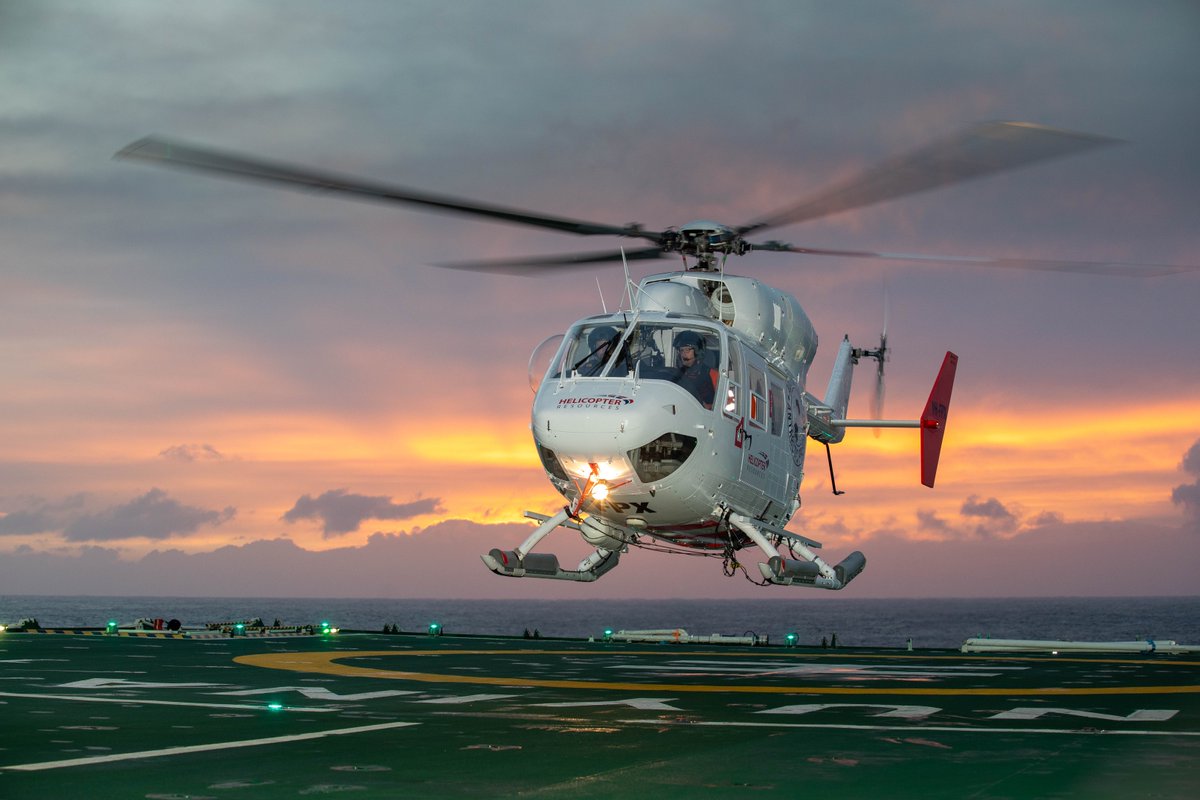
x=1087 y=267
x=538 y=264
x=877 y=399
x=884 y=355
x=168 y=153
x=981 y=150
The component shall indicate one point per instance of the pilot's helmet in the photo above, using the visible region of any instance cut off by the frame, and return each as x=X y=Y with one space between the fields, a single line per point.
x=690 y=339
x=601 y=336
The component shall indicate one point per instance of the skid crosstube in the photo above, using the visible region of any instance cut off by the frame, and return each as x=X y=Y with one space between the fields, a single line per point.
x=522 y=563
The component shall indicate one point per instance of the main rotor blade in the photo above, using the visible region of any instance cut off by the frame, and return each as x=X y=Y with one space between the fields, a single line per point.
x=1086 y=267
x=539 y=264
x=169 y=153
x=979 y=151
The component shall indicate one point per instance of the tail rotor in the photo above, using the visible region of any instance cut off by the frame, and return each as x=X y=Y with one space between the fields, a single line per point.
x=881 y=356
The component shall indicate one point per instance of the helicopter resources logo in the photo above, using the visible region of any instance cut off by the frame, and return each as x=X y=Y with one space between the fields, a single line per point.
x=600 y=402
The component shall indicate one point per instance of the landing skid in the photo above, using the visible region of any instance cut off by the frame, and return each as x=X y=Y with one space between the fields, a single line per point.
x=808 y=570
x=522 y=563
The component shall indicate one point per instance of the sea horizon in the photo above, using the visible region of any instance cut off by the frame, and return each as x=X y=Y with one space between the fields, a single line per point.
x=888 y=622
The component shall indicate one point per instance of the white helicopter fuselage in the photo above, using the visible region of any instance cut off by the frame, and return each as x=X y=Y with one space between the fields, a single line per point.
x=674 y=466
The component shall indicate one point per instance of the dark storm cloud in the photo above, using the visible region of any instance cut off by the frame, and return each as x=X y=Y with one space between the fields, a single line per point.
x=1187 y=495
x=154 y=515
x=342 y=512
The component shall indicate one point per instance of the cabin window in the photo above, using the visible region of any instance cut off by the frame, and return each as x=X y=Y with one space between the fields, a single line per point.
x=775 y=407
x=758 y=397
x=733 y=382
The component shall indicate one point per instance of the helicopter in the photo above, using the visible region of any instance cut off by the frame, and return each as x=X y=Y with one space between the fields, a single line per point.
x=681 y=423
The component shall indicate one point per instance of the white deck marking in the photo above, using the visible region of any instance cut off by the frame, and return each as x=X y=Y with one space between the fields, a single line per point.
x=640 y=703
x=316 y=693
x=201 y=748
x=915 y=728
x=124 y=683
x=905 y=712
x=463 y=699
x=839 y=670
x=137 y=701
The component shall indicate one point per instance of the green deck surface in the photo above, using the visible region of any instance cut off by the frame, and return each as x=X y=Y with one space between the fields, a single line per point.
x=372 y=715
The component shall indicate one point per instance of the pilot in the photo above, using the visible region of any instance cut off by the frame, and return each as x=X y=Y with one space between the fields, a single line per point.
x=601 y=341
x=694 y=375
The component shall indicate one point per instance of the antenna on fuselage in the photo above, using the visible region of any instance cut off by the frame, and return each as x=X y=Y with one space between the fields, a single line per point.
x=629 y=286
x=603 y=305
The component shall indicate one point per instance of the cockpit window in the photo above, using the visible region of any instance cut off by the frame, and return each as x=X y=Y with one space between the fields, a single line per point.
x=684 y=354
x=590 y=349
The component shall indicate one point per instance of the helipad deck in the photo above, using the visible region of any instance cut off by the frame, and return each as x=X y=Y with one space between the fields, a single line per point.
x=378 y=715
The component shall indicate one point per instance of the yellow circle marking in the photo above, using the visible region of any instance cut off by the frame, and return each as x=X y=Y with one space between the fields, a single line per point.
x=327 y=664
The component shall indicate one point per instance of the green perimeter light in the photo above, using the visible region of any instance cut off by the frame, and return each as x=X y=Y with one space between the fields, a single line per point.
x=111 y=626
x=275 y=706
x=608 y=634
x=791 y=639
x=435 y=629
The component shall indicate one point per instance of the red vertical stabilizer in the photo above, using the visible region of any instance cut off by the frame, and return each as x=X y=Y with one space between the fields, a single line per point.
x=933 y=419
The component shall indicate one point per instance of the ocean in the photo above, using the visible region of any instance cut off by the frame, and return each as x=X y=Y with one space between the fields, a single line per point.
x=936 y=623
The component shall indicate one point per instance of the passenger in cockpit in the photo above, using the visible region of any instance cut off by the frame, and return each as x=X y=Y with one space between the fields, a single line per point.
x=694 y=375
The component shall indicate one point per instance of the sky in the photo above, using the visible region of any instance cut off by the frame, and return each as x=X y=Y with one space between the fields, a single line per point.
x=216 y=388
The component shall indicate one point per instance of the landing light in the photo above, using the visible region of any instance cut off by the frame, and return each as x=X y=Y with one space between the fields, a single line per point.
x=600 y=490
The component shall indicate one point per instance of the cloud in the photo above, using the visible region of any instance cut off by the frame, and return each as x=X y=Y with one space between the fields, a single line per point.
x=192 y=452
x=1046 y=518
x=982 y=519
x=928 y=521
x=441 y=561
x=154 y=515
x=993 y=516
x=1187 y=495
x=343 y=512
x=40 y=516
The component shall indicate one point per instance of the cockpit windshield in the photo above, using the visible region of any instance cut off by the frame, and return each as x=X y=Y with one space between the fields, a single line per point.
x=685 y=354
x=589 y=350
